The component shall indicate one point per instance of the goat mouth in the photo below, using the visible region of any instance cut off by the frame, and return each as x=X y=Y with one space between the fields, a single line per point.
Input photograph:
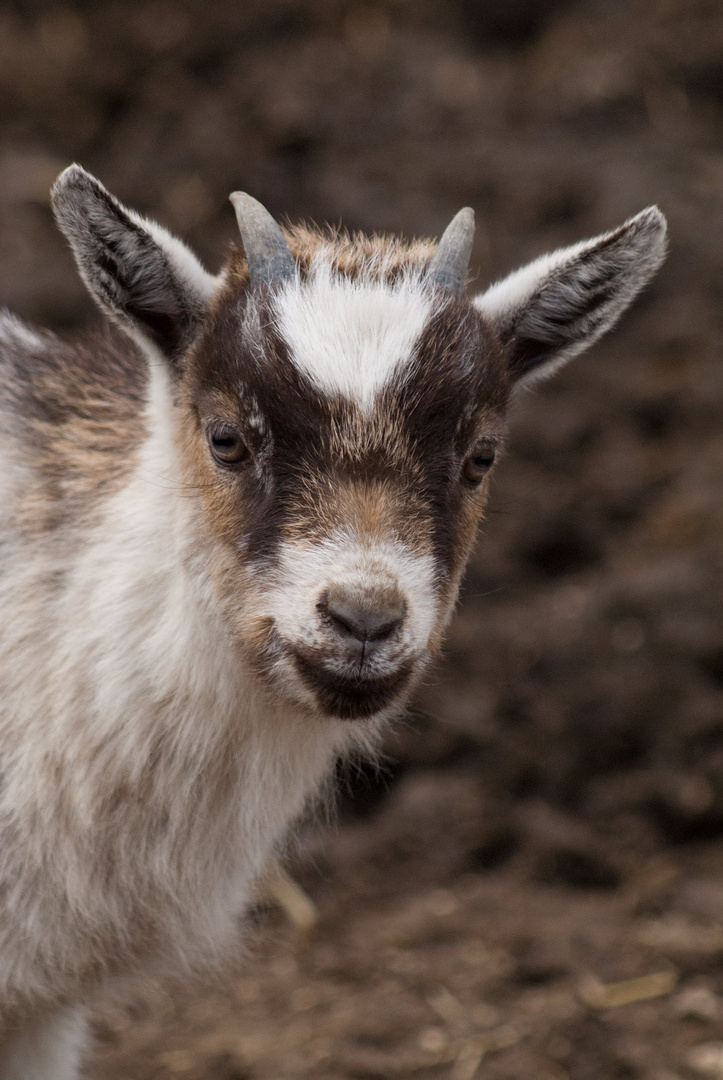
x=351 y=698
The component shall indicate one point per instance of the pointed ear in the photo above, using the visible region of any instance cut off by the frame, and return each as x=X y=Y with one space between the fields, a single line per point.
x=551 y=310
x=144 y=278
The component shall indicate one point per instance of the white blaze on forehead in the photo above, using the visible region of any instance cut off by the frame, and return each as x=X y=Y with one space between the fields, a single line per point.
x=350 y=337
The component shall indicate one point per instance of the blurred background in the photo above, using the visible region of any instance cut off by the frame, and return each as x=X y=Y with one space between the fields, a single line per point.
x=532 y=885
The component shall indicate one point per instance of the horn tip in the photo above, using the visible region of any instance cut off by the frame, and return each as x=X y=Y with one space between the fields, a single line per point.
x=241 y=198
x=268 y=255
x=461 y=226
x=464 y=219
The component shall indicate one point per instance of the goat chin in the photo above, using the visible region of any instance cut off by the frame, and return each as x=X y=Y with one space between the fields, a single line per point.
x=220 y=542
x=349 y=697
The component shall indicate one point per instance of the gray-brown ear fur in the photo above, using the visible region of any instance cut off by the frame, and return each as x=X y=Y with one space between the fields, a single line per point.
x=558 y=305
x=144 y=278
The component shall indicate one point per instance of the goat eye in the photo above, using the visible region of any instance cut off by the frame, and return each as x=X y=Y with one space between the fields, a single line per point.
x=226 y=444
x=479 y=463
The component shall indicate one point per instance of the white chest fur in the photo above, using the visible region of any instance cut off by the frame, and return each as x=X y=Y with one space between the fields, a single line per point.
x=147 y=778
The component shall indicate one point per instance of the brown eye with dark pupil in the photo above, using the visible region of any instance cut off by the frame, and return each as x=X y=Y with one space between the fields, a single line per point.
x=478 y=464
x=227 y=445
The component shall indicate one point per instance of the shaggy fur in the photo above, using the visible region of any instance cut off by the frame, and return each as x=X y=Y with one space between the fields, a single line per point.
x=178 y=667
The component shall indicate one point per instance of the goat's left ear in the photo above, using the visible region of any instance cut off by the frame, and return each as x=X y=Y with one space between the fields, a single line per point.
x=551 y=310
x=144 y=278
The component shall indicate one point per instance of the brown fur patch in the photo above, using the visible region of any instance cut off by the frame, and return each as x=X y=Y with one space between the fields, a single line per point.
x=377 y=256
x=74 y=415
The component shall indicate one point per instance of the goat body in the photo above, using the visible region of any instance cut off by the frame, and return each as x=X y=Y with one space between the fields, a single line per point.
x=231 y=542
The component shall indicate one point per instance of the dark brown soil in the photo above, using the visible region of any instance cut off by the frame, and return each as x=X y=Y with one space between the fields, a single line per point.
x=549 y=822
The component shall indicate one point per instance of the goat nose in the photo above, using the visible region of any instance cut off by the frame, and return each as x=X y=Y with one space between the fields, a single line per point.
x=367 y=619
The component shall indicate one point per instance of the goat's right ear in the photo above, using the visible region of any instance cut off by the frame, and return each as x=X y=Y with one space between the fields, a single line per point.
x=551 y=310
x=144 y=278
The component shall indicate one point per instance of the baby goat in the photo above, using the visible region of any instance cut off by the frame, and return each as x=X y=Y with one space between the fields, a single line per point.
x=230 y=545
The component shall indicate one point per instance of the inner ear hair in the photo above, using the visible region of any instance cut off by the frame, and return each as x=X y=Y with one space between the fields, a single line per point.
x=144 y=278
x=556 y=307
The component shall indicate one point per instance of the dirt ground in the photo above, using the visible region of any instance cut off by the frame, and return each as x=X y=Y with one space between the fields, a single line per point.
x=531 y=886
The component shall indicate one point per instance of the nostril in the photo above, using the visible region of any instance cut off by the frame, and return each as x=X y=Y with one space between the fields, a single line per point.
x=365 y=619
x=343 y=619
x=383 y=626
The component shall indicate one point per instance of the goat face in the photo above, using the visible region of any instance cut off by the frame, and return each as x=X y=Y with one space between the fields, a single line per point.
x=337 y=404
x=343 y=431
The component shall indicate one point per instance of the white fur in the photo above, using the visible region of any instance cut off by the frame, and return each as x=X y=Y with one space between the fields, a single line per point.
x=351 y=337
x=357 y=565
x=17 y=335
x=185 y=264
x=130 y=664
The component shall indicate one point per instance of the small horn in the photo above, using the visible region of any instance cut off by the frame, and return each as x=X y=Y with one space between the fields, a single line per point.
x=450 y=262
x=267 y=253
